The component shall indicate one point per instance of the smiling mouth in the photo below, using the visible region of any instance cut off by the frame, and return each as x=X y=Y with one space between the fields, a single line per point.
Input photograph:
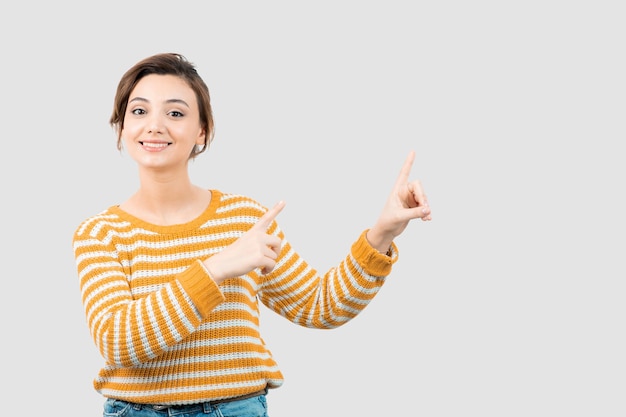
x=155 y=145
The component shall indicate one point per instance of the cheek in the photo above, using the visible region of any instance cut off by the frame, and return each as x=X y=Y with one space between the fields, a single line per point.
x=130 y=131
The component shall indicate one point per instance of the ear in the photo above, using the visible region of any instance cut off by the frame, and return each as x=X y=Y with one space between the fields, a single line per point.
x=201 y=139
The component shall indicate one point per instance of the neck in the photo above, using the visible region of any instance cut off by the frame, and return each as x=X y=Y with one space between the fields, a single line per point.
x=170 y=199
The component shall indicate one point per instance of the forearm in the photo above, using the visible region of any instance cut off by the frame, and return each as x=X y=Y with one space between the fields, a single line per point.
x=379 y=240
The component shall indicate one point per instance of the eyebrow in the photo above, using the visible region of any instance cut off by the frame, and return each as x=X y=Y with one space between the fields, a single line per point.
x=170 y=101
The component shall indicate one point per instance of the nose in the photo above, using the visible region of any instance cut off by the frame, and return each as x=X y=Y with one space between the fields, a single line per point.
x=154 y=129
x=155 y=125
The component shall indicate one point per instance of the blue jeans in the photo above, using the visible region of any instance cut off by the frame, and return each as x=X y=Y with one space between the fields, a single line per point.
x=250 y=407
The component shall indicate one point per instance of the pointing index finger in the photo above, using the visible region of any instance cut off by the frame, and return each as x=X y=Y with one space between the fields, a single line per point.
x=403 y=177
x=270 y=215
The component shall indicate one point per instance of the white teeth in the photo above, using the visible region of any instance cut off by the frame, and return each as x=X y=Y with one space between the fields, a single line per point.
x=155 y=145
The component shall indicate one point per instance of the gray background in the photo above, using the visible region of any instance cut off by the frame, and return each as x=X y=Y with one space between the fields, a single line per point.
x=509 y=303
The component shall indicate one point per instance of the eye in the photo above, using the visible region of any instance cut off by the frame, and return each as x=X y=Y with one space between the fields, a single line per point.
x=138 y=111
x=176 y=113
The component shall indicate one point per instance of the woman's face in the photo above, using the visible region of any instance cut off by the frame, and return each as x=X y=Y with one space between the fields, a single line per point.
x=162 y=122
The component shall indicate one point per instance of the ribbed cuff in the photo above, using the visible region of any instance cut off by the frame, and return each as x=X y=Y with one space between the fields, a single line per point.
x=204 y=292
x=372 y=261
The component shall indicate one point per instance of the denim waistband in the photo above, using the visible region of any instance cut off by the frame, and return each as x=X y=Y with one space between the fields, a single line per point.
x=206 y=406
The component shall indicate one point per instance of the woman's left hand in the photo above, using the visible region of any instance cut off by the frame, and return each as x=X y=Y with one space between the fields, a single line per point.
x=406 y=202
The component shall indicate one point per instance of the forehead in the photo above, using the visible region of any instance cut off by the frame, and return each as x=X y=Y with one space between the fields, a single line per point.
x=156 y=87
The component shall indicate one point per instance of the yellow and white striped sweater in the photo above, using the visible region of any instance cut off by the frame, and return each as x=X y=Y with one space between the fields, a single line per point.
x=170 y=335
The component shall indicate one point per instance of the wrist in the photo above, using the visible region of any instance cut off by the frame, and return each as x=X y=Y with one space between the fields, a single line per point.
x=209 y=269
x=379 y=242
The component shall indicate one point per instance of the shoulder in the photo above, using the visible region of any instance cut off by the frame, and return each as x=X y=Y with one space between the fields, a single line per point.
x=99 y=224
x=231 y=203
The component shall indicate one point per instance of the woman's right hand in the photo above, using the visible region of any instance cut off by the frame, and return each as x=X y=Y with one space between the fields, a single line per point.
x=254 y=249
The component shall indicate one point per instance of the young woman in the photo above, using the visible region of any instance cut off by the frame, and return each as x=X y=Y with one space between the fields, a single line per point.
x=171 y=278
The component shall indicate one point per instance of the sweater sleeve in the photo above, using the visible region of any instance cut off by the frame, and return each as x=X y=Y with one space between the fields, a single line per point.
x=130 y=330
x=308 y=298
x=373 y=262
